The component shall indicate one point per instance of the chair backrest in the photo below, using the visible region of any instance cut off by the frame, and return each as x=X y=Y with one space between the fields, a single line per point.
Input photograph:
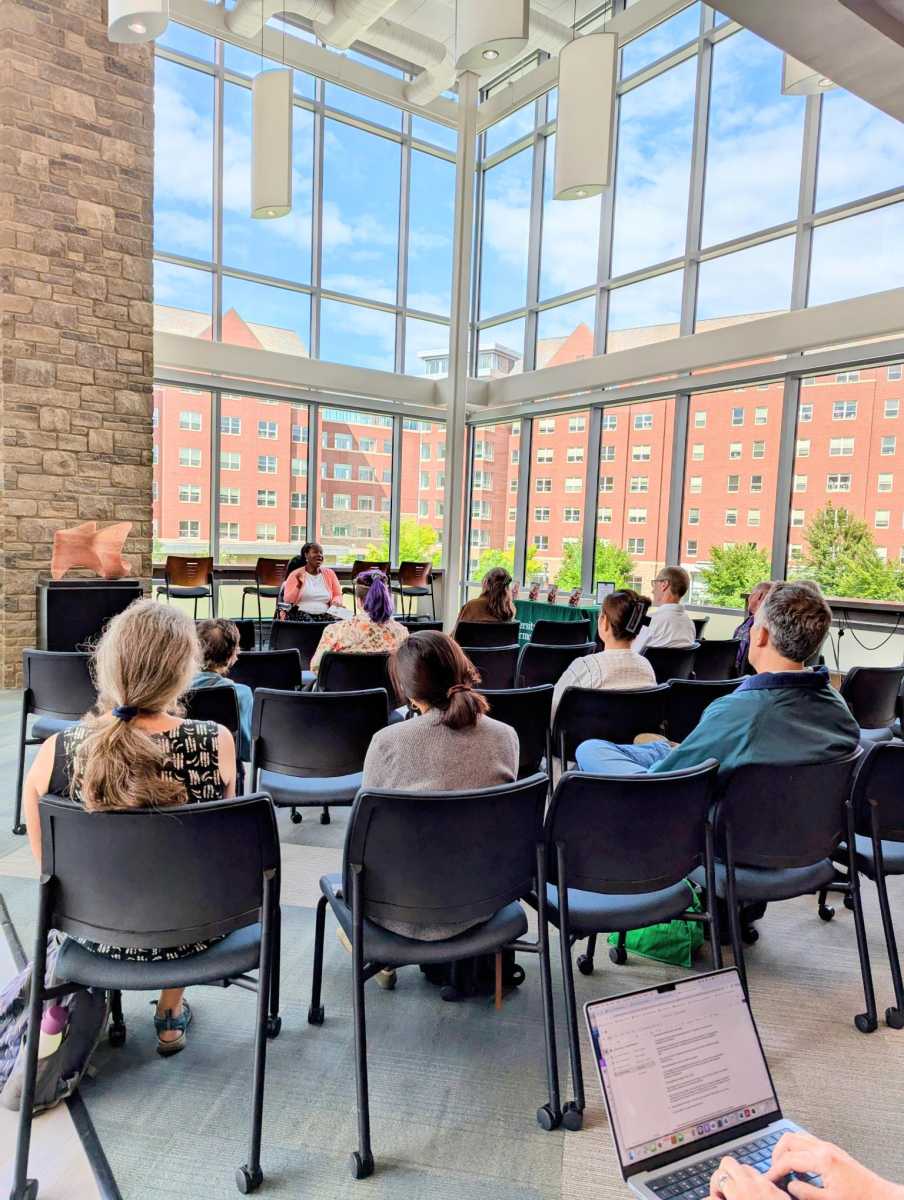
x=151 y=877
x=344 y=672
x=486 y=633
x=414 y=574
x=700 y=623
x=871 y=692
x=496 y=665
x=247 y=627
x=303 y=636
x=687 y=699
x=527 y=710
x=58 y=683
x=717 y=659
x=629 y=834
x=444 y=856
x=314 y=735
x=417 y=625
x=218 y=704
x=268 y=669
x=182 y=571
x=560 y=633
x=270 y=572
x=878 y=788
x=542 y=663
x=785 y=815
x=617 y=716
x=364 y=564
x=671 y=662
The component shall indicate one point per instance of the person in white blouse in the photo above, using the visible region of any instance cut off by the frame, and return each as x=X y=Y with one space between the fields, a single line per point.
x=669 y=625
x=619 y=667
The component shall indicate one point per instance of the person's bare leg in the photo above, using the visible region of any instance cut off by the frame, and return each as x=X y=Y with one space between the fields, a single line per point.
x=170 y=998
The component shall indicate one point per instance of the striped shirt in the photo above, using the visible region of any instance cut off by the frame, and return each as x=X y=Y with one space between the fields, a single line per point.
x=611 y=671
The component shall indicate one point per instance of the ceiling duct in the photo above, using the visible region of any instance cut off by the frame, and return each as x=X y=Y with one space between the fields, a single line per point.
x=350 y=21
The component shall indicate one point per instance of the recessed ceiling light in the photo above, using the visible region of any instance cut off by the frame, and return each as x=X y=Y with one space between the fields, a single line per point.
x=490 y=54
x=825 y=82
x=138 y=27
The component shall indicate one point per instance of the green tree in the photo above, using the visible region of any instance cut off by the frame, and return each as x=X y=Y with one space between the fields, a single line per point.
x=842 y=557
x=506 y=558
x=417 y=543
x=611 y=563
x=734 y=571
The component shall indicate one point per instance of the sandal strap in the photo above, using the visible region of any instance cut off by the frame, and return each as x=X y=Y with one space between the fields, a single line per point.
x=168 y=1021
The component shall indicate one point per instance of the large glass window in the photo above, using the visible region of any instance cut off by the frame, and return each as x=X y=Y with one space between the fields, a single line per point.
x=766 y=271
x=265 y=317
x=355 y=484
x=494 y=498
x=565 y=334
x=644 y=312
x=557 y=495
x=506 y=230
x=858 y=256
x=357 y=336
x=501 y=350
x=183 y=160
x=432 y=207
x=861 y=150
x=182 y=471
x=677 y=31
x=423 y=496
x=571 y=232
x=182 y=300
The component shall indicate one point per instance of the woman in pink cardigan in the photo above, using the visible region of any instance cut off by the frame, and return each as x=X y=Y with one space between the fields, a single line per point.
x=313 y=587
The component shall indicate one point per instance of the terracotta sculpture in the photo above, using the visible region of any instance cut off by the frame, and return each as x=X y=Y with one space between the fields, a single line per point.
x=97 y=550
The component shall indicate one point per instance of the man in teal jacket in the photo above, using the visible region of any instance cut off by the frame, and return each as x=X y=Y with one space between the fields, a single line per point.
x=785 y=714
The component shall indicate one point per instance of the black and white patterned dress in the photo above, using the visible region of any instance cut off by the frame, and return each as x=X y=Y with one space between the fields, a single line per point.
x=191 y=757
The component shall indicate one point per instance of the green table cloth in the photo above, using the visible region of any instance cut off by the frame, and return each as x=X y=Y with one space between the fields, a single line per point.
x=529 y=611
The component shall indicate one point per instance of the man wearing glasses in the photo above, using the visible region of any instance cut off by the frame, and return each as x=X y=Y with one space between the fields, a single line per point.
x=669 y=625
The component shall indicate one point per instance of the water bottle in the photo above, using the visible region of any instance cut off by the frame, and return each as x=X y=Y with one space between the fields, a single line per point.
x=53 y=1030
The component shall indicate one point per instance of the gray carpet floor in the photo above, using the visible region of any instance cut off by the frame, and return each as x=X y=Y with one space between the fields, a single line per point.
x=454 y=1087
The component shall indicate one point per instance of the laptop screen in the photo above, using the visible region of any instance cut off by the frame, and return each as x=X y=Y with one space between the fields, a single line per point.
x=679 y=1064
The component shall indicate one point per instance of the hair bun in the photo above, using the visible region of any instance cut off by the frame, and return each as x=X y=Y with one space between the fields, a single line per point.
x=458 y=687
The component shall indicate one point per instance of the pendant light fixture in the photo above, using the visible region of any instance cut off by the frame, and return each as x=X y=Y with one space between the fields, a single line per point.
x=271 y=139
x=800 y=80
x=136 y=20
x=489 y=32
x=586 y=115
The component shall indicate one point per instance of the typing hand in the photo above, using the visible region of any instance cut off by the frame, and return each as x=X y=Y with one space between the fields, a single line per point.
x=843 y=1178
x=733 y=1181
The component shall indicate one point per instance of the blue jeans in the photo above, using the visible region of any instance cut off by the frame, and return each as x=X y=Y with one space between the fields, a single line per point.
x=599 y=757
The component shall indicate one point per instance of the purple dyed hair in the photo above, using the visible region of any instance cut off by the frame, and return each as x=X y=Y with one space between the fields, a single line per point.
x=378 y=601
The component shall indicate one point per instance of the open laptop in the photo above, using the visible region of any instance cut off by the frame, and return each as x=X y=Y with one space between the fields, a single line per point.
x=685 y=1081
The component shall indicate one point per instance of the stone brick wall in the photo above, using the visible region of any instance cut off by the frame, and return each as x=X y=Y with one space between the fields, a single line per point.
x=76 y=191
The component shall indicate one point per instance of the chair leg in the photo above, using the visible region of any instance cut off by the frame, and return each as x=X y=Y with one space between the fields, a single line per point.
x=893 y=1016
x=213 y=599
x=866 y=1022
x=432 y=599
x=116 y=1034
x=361 y=1160
x=315 y=1011
x=550 y=1115
x=243 y=604
x=196 y=608
x=274 y=1020
x=250 y=1176
x=712 y=899
x=585 y=960
x=22 y=1187
x=260 y=620
x=734 y=921
x=498 y=989
x=572 y=1110
x=18 y=824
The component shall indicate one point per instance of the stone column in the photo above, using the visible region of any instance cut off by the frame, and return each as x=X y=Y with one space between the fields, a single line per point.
x=76 y=212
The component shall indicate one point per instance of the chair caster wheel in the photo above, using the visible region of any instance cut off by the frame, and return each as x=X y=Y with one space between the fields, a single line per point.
x=325 y=817
x=29 y=1192
x=572 y=1117
x=517 y=977
x=247 y=1182
x=296 y=817
x=20 y=829
x=750 y=936
x=585 y=964
x=360 y=1167
x=274 y=1025
x=618 y=955
x=849 y=903
x=315 y=1015
x=116 y=1034
x=865 y=1023
x=450 y=994
x=894 y=1018
x=826 y=912
x=547 y=1119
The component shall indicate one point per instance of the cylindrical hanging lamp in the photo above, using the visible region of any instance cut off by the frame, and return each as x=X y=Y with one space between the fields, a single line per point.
x=586 y=113
x=136 y=20
x=489 y=34
x=271 y=144
x=800 y=80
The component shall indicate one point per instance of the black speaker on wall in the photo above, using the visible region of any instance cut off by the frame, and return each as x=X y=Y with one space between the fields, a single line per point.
x=73 y=612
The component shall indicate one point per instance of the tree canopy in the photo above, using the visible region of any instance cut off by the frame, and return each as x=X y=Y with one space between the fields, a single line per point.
x=417 y=543
x=842 y=557
x=611 y=563
x=506 y=558
x=733 y=572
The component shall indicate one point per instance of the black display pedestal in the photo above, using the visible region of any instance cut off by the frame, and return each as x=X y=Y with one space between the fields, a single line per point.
x=72 y=612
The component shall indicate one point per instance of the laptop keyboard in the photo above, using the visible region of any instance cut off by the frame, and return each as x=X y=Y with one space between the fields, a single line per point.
x=692 y=1183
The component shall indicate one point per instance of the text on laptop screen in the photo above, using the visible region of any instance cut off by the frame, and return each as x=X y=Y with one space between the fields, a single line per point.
x=679 y=1065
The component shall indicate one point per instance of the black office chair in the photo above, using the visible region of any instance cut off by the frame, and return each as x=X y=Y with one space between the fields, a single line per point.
x=413 y=580
x=280 y=669
x=609 y=875
x=496 y=665
x=616 y=716
x=486 y=633
x=870 y=693
x=269 y=576
x=419 y=624
x=248 y=633
x=717 y=659
x=777 y=829
x=560 y=633
x=58 y=690
x=436 y=858
x=688 y=699
x=303 y=636
x=308 y=748
x=189 y=578
x=137 y=878
x=700 y=623
x=878 y=807
x=218 y=704
x=527 y=710
x=341 y=672
x=543 y=663
x=671 y=662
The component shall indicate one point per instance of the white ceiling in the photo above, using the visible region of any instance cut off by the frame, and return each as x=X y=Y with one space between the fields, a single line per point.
x=435 y=18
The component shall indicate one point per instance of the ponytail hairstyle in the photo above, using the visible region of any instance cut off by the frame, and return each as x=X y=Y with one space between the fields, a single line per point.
x=626 y=610
x=430 y=667
x=375 y=596
x=496 y=584
x=143 y=663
